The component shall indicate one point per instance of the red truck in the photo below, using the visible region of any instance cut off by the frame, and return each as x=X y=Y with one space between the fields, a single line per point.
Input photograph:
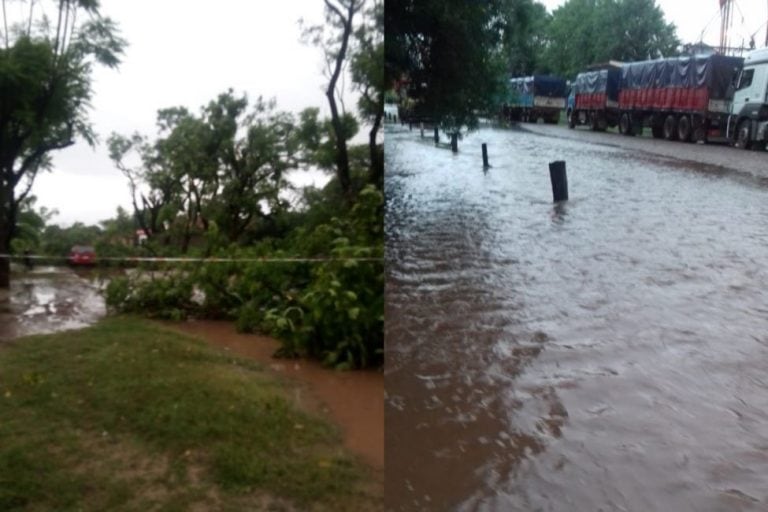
x=681 y=98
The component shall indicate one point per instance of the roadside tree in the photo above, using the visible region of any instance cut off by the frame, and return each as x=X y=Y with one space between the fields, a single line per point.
x=45 y=87
x=584 y=32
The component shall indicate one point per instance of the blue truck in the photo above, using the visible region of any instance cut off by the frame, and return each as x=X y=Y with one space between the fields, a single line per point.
x=535 y=97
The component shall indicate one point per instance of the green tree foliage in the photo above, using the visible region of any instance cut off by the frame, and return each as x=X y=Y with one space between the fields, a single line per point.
x=334 y=38
x=584 y=32
x=222 y=169
x=367 y=66
x=332 y=310
x=58 y=241
x=30 y=225
x=450 y=54
x=524 y=35
x=45 y=87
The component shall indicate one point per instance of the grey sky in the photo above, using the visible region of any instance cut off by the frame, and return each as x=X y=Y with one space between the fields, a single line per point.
x=183 y=52
x=692 y=17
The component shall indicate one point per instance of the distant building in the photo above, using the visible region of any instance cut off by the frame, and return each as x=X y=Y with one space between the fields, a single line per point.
x=699 y=48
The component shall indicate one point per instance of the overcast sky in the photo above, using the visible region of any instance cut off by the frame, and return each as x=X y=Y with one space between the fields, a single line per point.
x=182 y=52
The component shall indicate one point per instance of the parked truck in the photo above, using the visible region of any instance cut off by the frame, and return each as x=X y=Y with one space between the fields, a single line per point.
x=695 y=98
x=682 y=98
x=594 y=98
x=747 y=123
x=535 y=97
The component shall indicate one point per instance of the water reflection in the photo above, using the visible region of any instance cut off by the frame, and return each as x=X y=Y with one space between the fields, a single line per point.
x=49 y=299
x=602 y=353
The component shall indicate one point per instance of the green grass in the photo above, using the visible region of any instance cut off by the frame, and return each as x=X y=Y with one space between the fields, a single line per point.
x=126 y=415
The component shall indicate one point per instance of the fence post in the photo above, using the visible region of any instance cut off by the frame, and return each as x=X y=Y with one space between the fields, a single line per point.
x=559 y=180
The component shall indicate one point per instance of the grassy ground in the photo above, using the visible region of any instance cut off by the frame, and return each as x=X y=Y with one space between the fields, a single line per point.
x=128 y=416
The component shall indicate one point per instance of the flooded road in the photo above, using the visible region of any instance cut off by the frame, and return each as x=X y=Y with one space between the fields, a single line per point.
x=609 y=353
x=49 y=299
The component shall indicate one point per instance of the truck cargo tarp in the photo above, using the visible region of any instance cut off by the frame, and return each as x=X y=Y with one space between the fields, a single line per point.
x=522 y=90
x=593 y=89
x=687 y=83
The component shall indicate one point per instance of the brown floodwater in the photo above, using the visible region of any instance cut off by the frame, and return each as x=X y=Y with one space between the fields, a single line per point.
x=609 y=353
x=353 y=400
x=50 y=299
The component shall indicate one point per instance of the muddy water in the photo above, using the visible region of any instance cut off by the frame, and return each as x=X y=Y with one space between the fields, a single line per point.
x=609 y=353
x=354 y=400
x=49 y=299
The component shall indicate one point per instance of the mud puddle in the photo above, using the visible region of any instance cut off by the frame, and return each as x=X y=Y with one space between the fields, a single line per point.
x=50 y=299
x=353 y=400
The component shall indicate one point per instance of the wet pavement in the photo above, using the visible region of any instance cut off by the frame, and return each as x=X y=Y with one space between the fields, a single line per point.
x=608 y=353
x=50 y=299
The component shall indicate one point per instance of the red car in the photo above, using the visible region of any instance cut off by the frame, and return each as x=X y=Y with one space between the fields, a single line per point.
x=82 y=255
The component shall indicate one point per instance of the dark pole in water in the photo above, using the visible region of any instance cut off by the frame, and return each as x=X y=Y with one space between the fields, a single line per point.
x=422 y=130
x=437 y=136
x=455 y=142
x=485 y=155
x=559 y=180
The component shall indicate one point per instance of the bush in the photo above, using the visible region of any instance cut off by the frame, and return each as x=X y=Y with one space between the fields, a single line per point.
x=167 y=297
x=331 y=310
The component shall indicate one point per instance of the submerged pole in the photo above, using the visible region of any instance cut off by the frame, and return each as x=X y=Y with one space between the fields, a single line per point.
x=559 y=180
x=485 y=155
x=437 y=136
x=455 y=142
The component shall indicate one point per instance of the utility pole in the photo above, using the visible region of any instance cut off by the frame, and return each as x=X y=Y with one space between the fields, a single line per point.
x=726 y=10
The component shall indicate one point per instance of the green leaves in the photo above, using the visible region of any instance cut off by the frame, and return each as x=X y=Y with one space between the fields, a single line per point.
x=450 y=54
x=584 y=32
x=45 y=90
x=331 y=310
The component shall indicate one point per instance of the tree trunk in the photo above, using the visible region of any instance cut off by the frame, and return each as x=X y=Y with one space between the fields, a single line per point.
x=5 y=264
x=342 y=156
x=6 y=226
x=377 y=160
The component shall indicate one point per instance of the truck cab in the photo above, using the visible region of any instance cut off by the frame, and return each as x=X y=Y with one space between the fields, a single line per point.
x=748 y=122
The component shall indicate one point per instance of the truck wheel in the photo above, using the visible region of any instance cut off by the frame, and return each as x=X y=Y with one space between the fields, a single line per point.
x=594 y=122
x=670 y=127
x=571 y=119
x=684 y=129
x=625 y=125
x=743 y=135
x=699 y=130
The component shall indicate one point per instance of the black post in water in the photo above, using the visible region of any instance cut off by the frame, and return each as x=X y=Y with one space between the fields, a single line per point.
x=422 y=130
x=437 y=136
x=559 y=180
x=485 y=155
x=455 y=142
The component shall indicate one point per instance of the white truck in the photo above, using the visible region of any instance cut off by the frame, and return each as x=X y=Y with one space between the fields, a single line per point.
x=748 y=120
